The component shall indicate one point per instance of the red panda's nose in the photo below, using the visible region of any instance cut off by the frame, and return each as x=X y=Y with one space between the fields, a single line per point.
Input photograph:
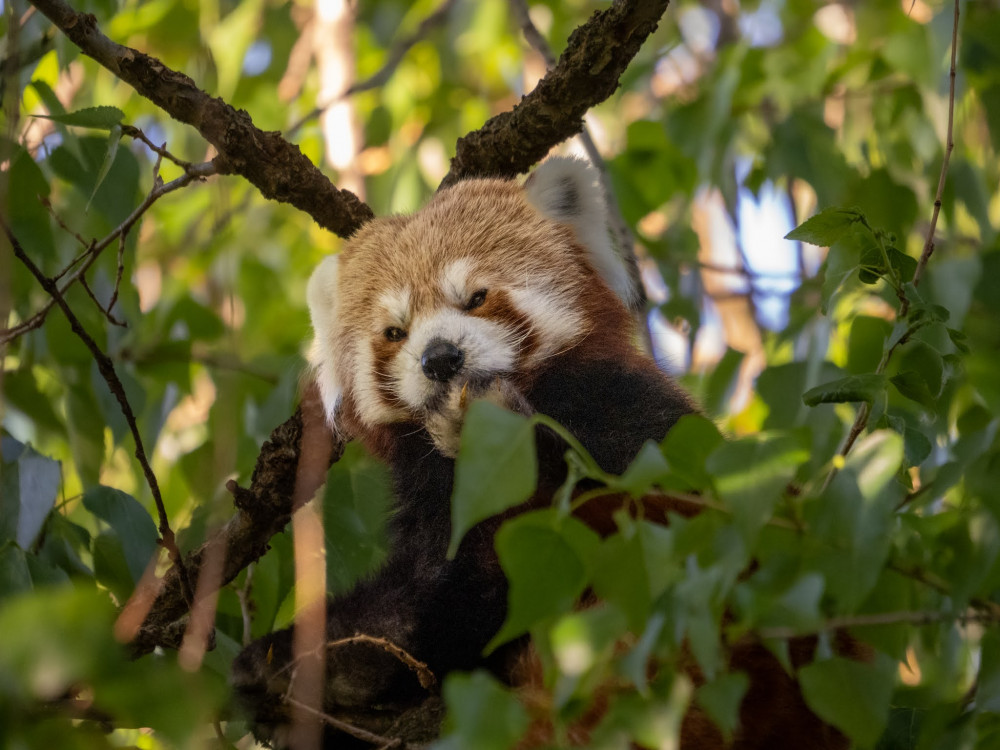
x=441 y=360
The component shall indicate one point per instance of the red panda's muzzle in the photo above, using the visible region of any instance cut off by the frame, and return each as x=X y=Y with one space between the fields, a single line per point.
x=441 y=360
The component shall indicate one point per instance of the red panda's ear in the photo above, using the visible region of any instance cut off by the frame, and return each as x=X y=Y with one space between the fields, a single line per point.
x=568 y=191
x=321 y=295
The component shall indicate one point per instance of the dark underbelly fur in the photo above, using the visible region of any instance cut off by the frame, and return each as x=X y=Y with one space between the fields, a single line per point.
x=443 y=612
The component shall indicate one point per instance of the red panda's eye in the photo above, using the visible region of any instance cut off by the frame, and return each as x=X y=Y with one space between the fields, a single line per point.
x=476 y=300
x=395 y=334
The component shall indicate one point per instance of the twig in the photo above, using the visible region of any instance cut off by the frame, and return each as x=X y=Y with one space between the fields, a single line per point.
x=395 y=56
x=949 y=147
x=424 y=675
x=357 y=732
x=276 y=167
x=160 y=151
x=883 y=618
x=97 y=303
x=197 y=172
x=107 y=370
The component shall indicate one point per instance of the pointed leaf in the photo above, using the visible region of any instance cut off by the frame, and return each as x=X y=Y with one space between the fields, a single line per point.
x=101 y=118
x=496 y=467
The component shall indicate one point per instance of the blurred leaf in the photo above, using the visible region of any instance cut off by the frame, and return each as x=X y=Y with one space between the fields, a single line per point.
x=851 y=695
x=131 y=523
x=687 y=447
x=481 y=714
x=15 y=576
x=29 y=485
x=356 y=501
x=721 y=700
x=751 y=474
x=496 y=467
x=853 y=517
x=546 y=565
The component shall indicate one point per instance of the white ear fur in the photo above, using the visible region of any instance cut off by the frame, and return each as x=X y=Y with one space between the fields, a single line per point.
x=567 y=190
x=321 y=295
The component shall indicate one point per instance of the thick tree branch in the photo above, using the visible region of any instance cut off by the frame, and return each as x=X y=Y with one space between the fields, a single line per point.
x=276 y=167
x=262 y=511
x=587 y=73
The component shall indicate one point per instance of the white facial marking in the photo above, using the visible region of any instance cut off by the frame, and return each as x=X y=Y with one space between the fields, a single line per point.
x=455 y=281
x=321 y=295
x=553 y=316
x=396 y=307
x=369 y=397
x=489 y=349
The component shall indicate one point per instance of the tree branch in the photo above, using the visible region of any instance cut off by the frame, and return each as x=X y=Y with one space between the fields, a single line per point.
x=587 y=73
x=107 y=370
x=276 y=167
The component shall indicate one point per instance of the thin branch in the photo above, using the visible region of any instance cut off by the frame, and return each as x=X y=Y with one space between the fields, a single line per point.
x=395 y=56
x=160 y=151
x=357 y=732
x=883 y=618
x=107 y=370
x=197 y=172
x=276 y=167
x=587 y=73
x=424 y=675
x=949 y=147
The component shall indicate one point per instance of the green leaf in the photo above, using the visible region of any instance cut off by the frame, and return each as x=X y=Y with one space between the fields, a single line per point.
x=496 y=467
x=840 y=264
x=130 y=522
x=481 y=714
x=721 y=700
x=866 y=343
x=826 y=227
x=101 y=118
x=357 y=498
x=114 y=139
x=29 y=486
x=110 y=567
x=866 y=387
x=545 y=560
x=647 y=468
x=687 y=447
x=853 y=517
x=751 y=474
x=851 y=695
x=15 y=576
x=722 y=382
x=914 y=387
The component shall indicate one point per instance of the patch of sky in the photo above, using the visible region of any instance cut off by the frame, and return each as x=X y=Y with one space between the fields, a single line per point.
x=773 y=262
x=257 y=58
x=762 y=27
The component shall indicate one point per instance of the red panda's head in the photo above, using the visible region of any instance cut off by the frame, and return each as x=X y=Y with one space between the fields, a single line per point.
x=489 y=280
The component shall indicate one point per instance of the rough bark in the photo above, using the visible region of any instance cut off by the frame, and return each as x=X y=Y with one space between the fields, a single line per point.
x=587 y=73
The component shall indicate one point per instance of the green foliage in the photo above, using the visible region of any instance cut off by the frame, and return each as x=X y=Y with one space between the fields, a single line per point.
x=855 y=485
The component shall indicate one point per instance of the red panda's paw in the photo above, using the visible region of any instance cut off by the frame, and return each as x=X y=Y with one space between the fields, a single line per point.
x=444 y=423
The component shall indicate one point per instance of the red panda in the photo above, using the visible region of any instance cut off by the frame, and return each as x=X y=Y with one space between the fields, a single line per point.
x=498 y=291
